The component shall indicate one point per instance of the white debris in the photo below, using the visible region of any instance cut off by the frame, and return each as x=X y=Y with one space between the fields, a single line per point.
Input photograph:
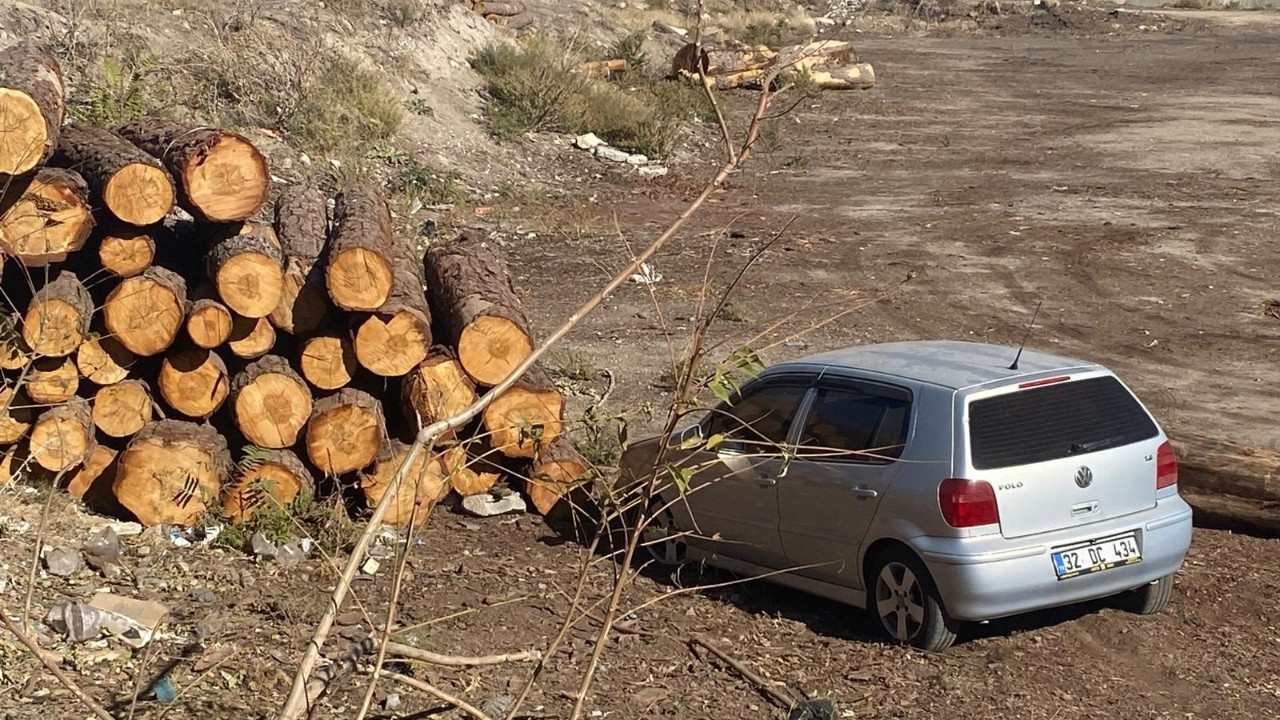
x=647 y=275
x=653 y=171
x=487 y=506
x=587 y=142
x=607 y=152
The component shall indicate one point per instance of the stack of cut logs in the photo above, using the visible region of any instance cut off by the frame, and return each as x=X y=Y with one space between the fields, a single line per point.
x=142 y=346
x=511 y=13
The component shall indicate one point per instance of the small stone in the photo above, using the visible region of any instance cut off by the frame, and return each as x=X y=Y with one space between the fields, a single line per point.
x=606 y=152
x=653 y=171
x=289 y=555
x=485 y=505
x=262 y=547
x=497 y=706
x=126 y=529
x=61 y=561
x=4 y=580
x=204 y=596
x=102 y=549
x=370 y=566
x=77 y=621
x=587 y=142
x=391 y=702
x=638 y=159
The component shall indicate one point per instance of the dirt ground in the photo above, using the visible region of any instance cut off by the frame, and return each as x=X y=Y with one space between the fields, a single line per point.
x=1126 y=181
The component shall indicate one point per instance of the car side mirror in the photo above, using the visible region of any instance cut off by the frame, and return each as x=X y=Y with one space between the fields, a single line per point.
x=687 y=439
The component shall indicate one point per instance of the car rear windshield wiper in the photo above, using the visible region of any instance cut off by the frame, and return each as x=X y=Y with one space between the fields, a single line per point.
x=1088 y=447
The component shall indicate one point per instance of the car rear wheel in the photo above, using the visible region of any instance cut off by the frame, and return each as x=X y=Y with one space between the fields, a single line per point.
x=907 y=604
x=661 y=541
x=1150 y=598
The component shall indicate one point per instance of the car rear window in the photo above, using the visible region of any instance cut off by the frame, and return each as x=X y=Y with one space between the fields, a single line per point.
x=1055 y=421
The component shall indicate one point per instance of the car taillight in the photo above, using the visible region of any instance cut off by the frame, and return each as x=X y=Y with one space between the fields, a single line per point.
x=967 y=503
x=1166 y=466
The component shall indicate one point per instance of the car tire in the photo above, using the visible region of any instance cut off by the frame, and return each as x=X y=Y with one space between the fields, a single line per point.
x=1150 y=598
x=906 y=604
x=656 y=544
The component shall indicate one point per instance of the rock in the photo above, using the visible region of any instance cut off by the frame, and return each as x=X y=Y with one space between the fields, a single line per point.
x=204 y=596
x=370 y=566
x=391 y=702
x=61 y=561
x=79 y=622
x=262 y=547
x=813 y=709
x=497 y=706
x=606 y=152
x=102 y=549
x=638 y=159
x=126 y=529
x=485 y=505
x=289 y=555
x=4 y=580
x=133 y=621
x=587 y=142
x=653 y=171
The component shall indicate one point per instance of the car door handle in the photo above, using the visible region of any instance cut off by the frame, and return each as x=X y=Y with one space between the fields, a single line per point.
x=863 y=491
x=767 y=482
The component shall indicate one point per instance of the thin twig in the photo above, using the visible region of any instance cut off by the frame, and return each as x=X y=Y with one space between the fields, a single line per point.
x=761 y=684
x=459 y=703
x=52 y=667
x=456 y=615
x=412 y=653
x=35 y=556
x=197 y=681
x=137 y=681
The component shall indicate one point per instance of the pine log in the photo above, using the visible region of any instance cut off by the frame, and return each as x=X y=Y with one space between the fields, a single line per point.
x=274 y=479
x=302 y=227
x=171 y=472
x=468 y=475
x=145 y=312
x=62 y=437
x=345 y=432
x=435 y=390
x=392 y=340
x=359 y=272
x=496 y=7
x=122 y=409
x=194 y=382
x=31 y=107
x=102 y=360
x=1218 y=466
x=328 y=360
x=555 y=473
x=271 y=403
x=247 y=267
x=221 y=176
x=91 y=484
x=209 y=322
x=251 y=338
x=126 y=252
x=425 y=483
x=128 y=182
x=16 y=415
x=16 y=465
x=52 y=381
x=471 y=290
x=46 y=216
x=58 y=317
x=860 y=76
x=523 y=421
x=601 y=68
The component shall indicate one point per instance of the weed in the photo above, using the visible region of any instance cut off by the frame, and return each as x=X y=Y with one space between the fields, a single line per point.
x=631 y=48
x=412 y=180
x=600 y=440
x=345 y=103
x=121 y=89
x=572 y=365
x=418 y=106
x=729 y=313
x=768 y=34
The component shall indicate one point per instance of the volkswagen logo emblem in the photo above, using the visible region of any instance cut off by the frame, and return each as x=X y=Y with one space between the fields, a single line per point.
x=1084 y=476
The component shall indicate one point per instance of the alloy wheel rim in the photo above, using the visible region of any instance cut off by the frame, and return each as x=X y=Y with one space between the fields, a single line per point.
x=899 y=602
x=658 y=540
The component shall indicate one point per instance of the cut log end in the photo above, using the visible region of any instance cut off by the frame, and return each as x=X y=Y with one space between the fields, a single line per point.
x=424 y=484
x=436 y=389
x=490 y=347
x=171 y=472
x=468 y=476
x=230 y=182
x=16 y=415
x=58 y=317
x=554 y=474
x=328 y=361
x=209 y=323
x=52 y=381
x=126 y=253
x=139 y=194
x=62 y=436
x=345 y=432
x=525 y=420
x=146 y=312
x=25 y=139
x=194 y=382
x=103 y=360
x=393 y=345
x=276 y=480
x=50 y=218
x=251 y=337
x=358 y=279
x=123 y=409
x=272 y=404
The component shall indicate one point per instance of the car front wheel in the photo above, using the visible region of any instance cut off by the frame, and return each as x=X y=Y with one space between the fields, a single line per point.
x=907 y=604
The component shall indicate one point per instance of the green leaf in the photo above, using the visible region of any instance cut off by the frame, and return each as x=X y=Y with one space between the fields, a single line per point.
x=680 y=476
x=714 y=441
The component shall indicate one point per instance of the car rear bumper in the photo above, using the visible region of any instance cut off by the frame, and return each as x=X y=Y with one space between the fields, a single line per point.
x=982 y=578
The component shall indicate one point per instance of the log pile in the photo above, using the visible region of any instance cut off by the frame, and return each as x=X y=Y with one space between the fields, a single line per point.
x=827 y=64
x=147 y=348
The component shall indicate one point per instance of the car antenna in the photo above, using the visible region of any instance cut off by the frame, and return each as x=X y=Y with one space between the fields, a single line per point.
x=1026 y=336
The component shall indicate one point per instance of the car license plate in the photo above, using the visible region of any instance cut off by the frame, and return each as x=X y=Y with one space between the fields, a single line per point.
x=1095 y=555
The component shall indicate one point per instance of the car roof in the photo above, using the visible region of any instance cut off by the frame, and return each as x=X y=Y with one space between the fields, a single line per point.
x=947 y=363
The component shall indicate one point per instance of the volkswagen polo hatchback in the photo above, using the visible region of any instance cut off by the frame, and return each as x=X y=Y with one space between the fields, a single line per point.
x=933 y=483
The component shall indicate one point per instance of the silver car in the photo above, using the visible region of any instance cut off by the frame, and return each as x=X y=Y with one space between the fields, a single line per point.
x=931 y=482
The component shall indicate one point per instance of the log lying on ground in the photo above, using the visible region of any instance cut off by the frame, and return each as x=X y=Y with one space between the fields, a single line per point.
x=497 y=7
x=1229 y=483
x=92 y=482
x=145 y=312
x=829 y=64
x=209 y=322
x=358 y=275
x=171 y=471
x=302 y=228
x=102 y=360
x=425 y=483
x=46 y=217
x=556 y=472
x=392 y=340
x=62 y=437
x=122 y=409
x=128 y=182
x=251 y=337
x=850 y=77
x=221 y=176
x=526 y=419
x=58 y=317
x=601 y=68
x=126 y=252
x=271 y=403
x=52 y=381
x=436 y=389
x=246 y=266
x=345 y=432
x=468 y=474
x=469 y=285
x=16 y=415
x=273 y=479
x=328 y=360
x=194 y=382
x=31 y=107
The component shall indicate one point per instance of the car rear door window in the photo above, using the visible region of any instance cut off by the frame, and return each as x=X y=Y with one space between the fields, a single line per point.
x=1054 y=422
x=760 y=420
x=856 y=424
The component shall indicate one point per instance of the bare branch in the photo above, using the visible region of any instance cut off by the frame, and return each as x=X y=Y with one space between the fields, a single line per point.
x=430 y=689
x=52 y=667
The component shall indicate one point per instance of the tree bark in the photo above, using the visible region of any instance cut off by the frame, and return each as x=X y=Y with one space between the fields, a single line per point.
x=471 y=291
x=359 y=272
x=392 y=340
x=58 y=317
x=52 y=381
x=221 y=176
x=122 y=409
x=194 y=382
x=275 y=479
x=345 y=432
x=436 y=389
x=328 y=360
x=126 y=252
x=62 y=437
x=145 y=312
x=271 y=403
x=251 y=338
x=102 y=360
x=209 y=322
x=526 y=419
x=128 y=182
x=556 y=472
x=44 y=217
x=171 y=472
x=425 y=483
x=1229 y=484
x=31 y=105
x=302 y=227
x=247 y=268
